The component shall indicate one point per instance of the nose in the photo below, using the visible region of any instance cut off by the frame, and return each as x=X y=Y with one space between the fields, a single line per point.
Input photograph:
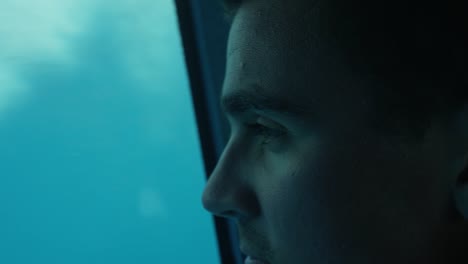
x=228 y=193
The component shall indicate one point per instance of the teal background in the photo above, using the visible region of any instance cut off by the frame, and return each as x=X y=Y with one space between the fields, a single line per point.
x=100 y=160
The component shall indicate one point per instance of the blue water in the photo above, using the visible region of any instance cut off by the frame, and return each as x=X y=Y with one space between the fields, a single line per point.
x=99 y=154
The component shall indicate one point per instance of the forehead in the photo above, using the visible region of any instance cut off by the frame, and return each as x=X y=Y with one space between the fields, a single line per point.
x=281 y=28
x=263 y=51
x=269 y=47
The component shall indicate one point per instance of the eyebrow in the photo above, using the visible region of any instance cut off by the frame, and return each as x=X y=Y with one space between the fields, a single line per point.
x=243 y=101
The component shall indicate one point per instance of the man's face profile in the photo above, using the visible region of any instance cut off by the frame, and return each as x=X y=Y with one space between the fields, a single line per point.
x=305 y=175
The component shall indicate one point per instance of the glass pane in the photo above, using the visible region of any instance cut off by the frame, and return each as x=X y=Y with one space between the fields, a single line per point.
x=99 y=154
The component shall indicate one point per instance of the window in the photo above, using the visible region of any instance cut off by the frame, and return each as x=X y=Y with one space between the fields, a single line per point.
x=99 y=155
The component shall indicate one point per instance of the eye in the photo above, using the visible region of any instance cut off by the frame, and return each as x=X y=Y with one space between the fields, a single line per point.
x=267 y=133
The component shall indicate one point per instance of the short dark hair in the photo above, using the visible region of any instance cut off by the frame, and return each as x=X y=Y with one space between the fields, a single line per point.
x=415 y=51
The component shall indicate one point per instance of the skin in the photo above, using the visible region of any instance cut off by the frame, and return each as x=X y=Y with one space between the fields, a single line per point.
x=324 y=186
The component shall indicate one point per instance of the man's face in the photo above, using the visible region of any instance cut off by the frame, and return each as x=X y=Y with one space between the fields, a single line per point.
x=304 y=175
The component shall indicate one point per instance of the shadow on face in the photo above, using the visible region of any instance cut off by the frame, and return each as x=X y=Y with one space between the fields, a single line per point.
x=306 y=174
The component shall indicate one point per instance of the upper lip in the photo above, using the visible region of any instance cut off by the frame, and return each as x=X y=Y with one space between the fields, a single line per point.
x=246 y=251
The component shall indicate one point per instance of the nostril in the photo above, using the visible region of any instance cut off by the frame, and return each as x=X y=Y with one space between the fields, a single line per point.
x=217 y=203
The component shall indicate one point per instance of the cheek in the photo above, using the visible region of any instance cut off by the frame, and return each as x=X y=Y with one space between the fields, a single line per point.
x=296 y=204
x=309 y=203
x=347 y=199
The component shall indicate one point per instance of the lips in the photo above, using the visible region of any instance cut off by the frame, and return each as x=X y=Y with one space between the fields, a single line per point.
x=252 y=258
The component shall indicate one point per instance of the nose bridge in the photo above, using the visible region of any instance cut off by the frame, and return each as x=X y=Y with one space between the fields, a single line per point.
x=226 y=194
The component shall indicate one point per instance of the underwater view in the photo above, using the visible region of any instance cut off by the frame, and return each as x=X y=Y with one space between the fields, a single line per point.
x=100 y=160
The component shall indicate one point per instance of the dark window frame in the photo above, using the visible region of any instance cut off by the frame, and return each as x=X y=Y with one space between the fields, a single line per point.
x=204 y=36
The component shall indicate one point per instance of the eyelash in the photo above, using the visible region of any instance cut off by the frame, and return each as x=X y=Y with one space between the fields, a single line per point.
x=265 y=132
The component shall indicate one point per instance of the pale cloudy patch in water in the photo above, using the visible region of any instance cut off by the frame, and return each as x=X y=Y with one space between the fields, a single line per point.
x=151 y=204
x=146 y=38
x=33 y=32
x=40 y=28
x=11 y=88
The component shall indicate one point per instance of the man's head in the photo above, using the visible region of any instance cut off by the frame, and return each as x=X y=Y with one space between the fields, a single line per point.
x=349 y=131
